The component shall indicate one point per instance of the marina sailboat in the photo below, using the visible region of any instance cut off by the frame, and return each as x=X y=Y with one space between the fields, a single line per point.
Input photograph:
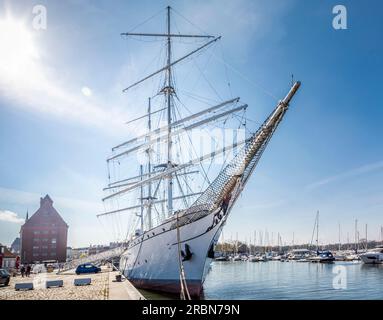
x=178 y=210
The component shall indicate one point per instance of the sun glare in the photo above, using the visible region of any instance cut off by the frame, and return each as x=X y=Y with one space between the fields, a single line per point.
x=17 y=51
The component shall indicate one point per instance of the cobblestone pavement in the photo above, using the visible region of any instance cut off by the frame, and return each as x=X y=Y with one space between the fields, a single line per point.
x=98 y=290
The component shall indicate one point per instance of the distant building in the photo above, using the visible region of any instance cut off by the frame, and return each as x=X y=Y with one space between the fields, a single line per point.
x=69 y=253
x=15 y=246
x=8 y=260
x=77 y=253
x=44 y=235
x=98 y=249
x=113 y=245
x=80 y=253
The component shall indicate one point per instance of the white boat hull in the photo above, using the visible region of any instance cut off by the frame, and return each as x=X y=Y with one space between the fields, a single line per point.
x=153 y=263
x=372 y=258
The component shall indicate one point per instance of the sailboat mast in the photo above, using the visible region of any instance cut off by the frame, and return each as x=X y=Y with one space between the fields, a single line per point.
x=356 y=235
x=317 y=230
x=168 y=92
x=149 y=211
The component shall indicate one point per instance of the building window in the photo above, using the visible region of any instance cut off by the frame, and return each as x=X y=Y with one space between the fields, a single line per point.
x=45 y=240
x=36 y=239
x=54 y=240
x=45 y=232
x=35 y=254
x=53 y=254
x=35 y=247
x=44 y=247
x=36 y=232
x=44 y=254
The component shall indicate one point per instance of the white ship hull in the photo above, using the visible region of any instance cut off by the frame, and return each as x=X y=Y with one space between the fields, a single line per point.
x=153 y=263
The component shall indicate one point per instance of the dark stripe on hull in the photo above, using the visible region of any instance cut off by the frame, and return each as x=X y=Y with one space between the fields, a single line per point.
x=168 y=286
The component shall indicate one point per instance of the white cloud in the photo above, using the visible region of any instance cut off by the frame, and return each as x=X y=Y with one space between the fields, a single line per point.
x=84 y=227
x=347 y=174
x=24 y=198
x=9 y=216
x=240 y=22
x=35 y=86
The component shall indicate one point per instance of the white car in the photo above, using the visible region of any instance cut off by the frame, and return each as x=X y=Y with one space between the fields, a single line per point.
x=39 y=268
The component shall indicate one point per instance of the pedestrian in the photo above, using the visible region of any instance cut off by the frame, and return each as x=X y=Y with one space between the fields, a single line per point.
x=28 y=273
x=22 y=270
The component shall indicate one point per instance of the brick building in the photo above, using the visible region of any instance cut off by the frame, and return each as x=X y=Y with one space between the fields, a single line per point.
x=44 y=235
x=8 y=260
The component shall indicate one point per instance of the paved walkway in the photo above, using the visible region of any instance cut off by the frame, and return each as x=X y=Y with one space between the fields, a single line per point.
x=123 y=290
x=103 y=287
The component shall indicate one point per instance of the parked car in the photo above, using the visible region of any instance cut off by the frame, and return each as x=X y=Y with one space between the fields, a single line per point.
x=87 y=268
x=4 y=277
x=50 y=268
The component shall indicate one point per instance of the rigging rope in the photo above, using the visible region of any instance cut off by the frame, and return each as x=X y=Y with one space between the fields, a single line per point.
x=226 y=73
x=246 y=78
x=145 y=21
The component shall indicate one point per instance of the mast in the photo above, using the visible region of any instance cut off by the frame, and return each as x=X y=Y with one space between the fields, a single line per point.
x=356 y=235
x=348 y=240
x=317 y=230
x=149 y=169
x=141 y=201
x=168 y=92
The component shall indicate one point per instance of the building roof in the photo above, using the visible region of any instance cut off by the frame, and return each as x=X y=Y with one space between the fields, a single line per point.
x=47 y=213
x=5 y=253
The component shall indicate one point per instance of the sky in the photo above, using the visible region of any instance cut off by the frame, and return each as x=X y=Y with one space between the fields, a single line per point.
x=61 y=108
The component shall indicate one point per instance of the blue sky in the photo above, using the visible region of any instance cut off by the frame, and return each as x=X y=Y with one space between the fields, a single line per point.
x=327 y=155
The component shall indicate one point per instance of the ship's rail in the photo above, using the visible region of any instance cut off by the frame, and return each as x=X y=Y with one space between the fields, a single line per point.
x=95 y=258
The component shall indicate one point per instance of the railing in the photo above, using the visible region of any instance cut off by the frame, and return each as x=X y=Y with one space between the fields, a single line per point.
x=95 y=258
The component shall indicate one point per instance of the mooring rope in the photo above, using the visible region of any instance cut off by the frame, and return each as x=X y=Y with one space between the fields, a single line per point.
x=183 y=283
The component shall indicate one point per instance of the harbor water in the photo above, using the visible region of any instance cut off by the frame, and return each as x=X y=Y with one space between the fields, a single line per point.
x=293 y=280
x=275 y=280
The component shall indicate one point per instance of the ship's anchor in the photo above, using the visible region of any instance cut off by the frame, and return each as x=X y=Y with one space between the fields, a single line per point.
x=187 y=254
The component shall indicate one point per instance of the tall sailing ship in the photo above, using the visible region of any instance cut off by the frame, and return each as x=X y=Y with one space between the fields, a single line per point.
x=177 y=209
